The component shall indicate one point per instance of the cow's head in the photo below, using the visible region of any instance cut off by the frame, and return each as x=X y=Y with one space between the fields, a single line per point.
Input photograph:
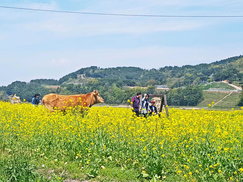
x=98 y=98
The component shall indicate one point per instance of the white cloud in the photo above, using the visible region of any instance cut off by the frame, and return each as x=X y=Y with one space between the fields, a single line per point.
x=60 y=62
x=2 y=37
x=166 y=6
x=35 y=44
x=54 y=64
x=148 y=57
x=53 y=5
x=74 y=27
x=68 y=25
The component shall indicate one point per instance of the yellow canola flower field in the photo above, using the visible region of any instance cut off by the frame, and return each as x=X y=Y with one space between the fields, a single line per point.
x=190 y=145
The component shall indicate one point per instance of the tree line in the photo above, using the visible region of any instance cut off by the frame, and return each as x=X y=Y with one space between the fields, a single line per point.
x=114 y=83
x=113 y=94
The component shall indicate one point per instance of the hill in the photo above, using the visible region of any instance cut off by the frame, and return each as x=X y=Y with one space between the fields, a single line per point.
x=220 y=99
x=119 y=83
x=228 y=69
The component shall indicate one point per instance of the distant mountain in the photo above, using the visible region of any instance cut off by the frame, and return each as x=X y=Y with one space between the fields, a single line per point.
x=228 y=69
x=118 y=84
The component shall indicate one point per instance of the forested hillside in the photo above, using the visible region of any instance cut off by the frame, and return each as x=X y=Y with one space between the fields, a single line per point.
x=229 y=69
x=118 y=84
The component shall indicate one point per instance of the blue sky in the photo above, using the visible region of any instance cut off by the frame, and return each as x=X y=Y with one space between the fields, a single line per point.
x=49 y=45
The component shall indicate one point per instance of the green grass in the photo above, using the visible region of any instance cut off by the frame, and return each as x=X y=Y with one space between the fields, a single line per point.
x=219 y=85
x=118 y=174
x=210 y=97
x=228 y=102
x=18 y=167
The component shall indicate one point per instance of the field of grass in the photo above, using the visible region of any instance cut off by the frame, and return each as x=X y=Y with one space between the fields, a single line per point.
x=219 y=85
x=228 y=102
x=111 y=144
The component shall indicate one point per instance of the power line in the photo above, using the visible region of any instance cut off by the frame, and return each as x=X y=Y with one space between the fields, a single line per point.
x=122 y=14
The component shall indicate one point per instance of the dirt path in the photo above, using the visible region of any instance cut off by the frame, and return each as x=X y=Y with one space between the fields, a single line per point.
x=232 y=85
x=222 y=99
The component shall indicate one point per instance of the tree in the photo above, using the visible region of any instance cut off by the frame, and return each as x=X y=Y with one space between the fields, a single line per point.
x=189 y=96
x=25 y=90
x=241 y=99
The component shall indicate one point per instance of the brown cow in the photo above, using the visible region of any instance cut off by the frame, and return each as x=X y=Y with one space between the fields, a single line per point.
x=63 y=102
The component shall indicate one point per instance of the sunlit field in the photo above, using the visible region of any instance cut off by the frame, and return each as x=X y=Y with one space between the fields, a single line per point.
x=111 y=144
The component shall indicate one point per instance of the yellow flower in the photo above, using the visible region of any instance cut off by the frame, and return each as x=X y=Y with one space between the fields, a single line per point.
x=226 y=149
x=107 y=130
x=240 y=170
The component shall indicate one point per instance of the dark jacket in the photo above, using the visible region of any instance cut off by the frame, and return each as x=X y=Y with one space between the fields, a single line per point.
x=145 y=104
x=35 y=100
x=135 y=103
x=153 y=109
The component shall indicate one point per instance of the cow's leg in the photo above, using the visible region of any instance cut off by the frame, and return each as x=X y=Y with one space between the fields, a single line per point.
x=50 y=108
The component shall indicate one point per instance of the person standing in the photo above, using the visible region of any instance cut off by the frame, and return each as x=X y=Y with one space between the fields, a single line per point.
x=36 y=99
x=152 y=108
x=136 y=103
x=145 y=105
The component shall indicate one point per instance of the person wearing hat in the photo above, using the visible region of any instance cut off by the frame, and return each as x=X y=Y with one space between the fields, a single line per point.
x=152 y=108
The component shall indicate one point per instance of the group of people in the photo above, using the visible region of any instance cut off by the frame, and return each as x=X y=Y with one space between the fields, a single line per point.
x=14 y=99
x=143 y=106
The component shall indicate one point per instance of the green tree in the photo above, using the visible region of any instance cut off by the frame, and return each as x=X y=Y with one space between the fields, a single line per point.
x=241 y=99
x=25 y=90
x=188 y=96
